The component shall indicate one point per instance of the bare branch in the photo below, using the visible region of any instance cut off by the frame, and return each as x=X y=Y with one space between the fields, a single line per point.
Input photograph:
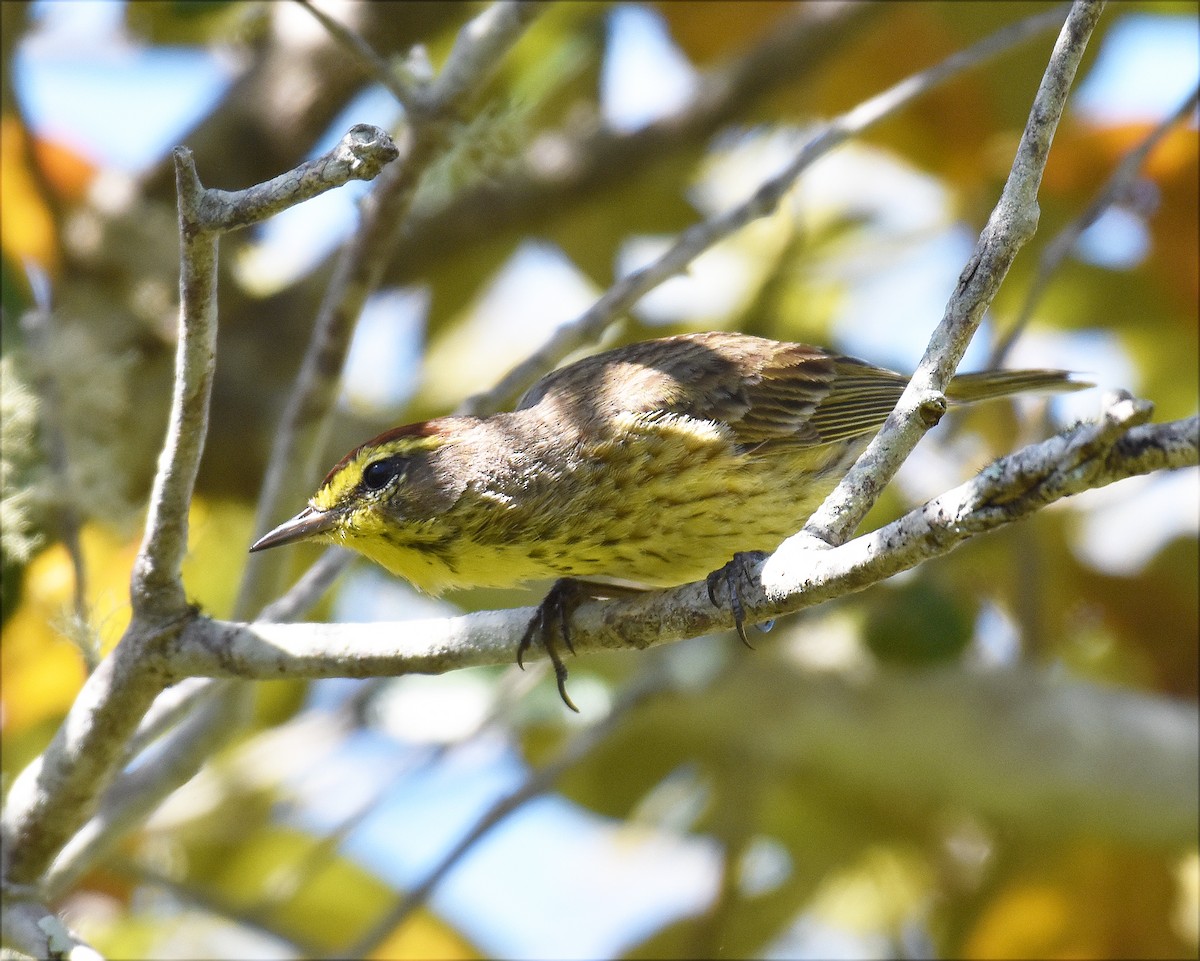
x=168 y=709
x=1113 y=191
x=58 y=791
x=48 y=809
x=301 y=437
x=701 y=236
x=360 y=155
x=310 y=587
x=208 y=712
x=1012 y=223
x=561 y=168
x=156 y=589
x=34 y=931
x=477 y=50
x=1087 y=456
x=137 y=793
x=372 y=64
x=180 y=699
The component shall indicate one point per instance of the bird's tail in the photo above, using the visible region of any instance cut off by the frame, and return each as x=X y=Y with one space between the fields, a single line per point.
x=987 y=384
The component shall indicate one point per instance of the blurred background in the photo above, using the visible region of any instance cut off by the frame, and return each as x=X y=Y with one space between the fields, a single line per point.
x=823 y=796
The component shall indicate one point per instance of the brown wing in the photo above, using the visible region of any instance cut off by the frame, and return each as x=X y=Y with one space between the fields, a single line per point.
x=862 y=397
x=766 y=391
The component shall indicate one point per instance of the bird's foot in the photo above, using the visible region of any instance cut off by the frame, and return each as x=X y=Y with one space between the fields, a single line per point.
x=552 y=625
x=737 y=570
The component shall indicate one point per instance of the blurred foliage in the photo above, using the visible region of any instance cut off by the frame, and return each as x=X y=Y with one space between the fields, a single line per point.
x=919 y=624
x=531 y=160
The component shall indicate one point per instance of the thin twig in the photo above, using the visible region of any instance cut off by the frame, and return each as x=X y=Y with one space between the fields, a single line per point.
x=60 y=789
x=56 y=793
x=200 y=714
x=698 y=238
x=309 y=588
x=564 y=167
x=43 y=812
x=360 y=155
x=208 y=899
x=1012 y=223
x=371 y=63
x=514 y=685
x=478 y=48
x=178 y=701
x=138 y=792
x=301 y=437
x=168 y=709
x=1113 y=191
x=157 y=590
x=36 y=932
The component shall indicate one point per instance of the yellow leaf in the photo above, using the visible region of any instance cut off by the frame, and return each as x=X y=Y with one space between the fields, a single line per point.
x=26 y=227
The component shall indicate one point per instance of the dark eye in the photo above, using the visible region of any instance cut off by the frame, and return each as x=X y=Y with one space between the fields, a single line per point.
x=377 y=474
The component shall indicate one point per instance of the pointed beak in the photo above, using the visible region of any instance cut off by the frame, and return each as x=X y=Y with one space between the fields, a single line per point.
x=307 y=523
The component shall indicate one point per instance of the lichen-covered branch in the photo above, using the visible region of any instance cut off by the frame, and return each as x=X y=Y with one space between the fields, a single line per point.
x=36 y=932
x=58 y=791
x=121 y=692
x=360 y=155
x=372 y=64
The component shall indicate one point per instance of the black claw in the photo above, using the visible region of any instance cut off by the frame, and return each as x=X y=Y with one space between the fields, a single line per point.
x=534 y=627
x=711 y=583
x=560 y=675
x=556 y=609
x=564 y=631
x=735 y=599
x=729 y=574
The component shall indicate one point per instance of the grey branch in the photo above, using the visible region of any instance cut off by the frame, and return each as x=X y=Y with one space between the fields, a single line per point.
x=360 y=155
x=1114 y=191
x=537 y=783
x=55 y=795
x=34 y=931
x=59 y=790
x=372 y=64
x=1012 y=223
x=477 y=49
x=156 y=588
x=1090 y=455
x=563 y=168
x=194 y=717
x=359 y=268
x=138 y=792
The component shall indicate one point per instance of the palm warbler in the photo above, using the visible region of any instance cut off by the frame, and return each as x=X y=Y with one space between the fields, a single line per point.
x=653 y=463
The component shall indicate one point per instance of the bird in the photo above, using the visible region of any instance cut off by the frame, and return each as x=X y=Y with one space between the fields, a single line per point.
x=647 y=465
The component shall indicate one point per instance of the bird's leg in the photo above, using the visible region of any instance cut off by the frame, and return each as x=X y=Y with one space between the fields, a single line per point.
x=737 y=569
x=552 y=623
x=555 y=610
